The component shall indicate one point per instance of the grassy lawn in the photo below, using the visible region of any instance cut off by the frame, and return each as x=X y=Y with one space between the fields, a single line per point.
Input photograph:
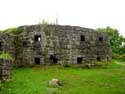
x=110 y=80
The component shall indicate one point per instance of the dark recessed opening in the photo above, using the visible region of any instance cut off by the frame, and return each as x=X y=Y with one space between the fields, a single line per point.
x=98 y=59
x=37 y=61
x=101 y=39
x=0 y=46
x=37 y=37
x=79 y=60
x=1 y=75
x=82 y=38
x=54 y=59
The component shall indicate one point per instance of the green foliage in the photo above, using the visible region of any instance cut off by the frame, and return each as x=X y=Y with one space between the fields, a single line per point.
x=119 y=57
x=116 y=39
x=117 y=42
x=13 y=30
x=76 y=80
x=6 y=56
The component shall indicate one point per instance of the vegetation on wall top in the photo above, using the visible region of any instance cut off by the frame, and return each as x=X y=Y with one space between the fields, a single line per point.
x=16 y=30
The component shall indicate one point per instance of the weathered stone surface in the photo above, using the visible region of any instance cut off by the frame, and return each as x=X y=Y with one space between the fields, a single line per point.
x=7 y=43
x=5 y=69
x=39 y=44
x=61 y=44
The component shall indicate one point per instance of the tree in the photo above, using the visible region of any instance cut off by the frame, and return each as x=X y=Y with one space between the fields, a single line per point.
x=117 y=41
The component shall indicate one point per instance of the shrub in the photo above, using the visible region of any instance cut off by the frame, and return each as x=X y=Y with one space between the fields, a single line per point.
x=119 y=57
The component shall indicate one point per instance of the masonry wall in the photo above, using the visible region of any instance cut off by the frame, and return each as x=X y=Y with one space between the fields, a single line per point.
x=6 y=46
x=49 y=44
x=7 y=43
x=5 y=69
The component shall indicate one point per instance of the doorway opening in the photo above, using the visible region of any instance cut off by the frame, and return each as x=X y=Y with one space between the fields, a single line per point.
x=98 y=59
x=37 y=61
x=79 y=60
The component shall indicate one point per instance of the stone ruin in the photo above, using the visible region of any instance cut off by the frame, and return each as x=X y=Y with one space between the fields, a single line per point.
x=6 y=46
x=56 y=44
x=5 y=69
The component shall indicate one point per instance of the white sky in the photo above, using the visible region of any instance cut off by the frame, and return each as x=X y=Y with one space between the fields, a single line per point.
x=85 y=13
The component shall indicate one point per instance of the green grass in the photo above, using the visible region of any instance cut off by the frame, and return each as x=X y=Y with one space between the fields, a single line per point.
x=110 y=80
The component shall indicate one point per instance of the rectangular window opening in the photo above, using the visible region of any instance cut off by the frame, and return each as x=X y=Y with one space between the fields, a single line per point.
x=82 y=38
x=37 y=37
x=79 y=60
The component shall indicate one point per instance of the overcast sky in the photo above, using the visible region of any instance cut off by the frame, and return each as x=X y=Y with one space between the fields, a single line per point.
x=85 y=13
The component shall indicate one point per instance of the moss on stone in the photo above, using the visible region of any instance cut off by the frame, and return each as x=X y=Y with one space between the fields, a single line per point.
x=6 y=56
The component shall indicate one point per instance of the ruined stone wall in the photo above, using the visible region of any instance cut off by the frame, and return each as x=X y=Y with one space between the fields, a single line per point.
x=61 y=44
x=5 y=69
x=6 y=46
x=7 y=43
